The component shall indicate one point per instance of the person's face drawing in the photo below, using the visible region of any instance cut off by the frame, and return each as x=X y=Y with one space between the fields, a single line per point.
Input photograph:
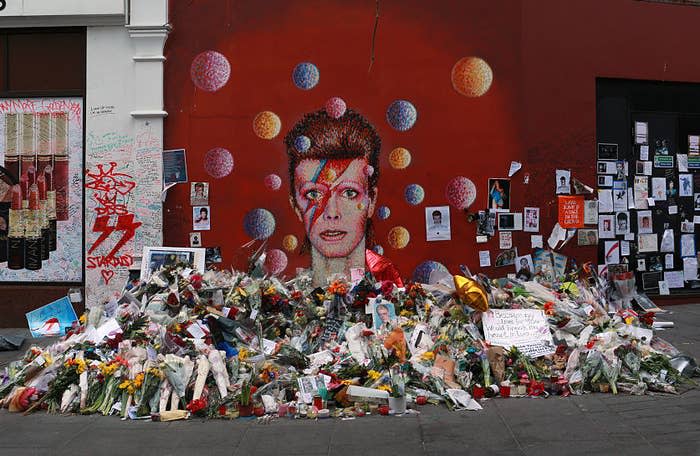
x=333 y=201
x=383 y=313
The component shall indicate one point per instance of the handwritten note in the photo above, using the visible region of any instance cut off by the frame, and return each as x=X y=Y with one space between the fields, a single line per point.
x=527 y=329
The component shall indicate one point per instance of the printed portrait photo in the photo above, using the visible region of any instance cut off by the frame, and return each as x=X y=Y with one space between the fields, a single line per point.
x=499 y=194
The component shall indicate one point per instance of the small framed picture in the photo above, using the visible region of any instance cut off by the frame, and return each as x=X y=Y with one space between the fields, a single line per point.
x=156 y=257
x=195 y=239
x=510 y=221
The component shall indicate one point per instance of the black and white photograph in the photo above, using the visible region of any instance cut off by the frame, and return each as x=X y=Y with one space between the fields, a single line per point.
x=486 y=223
x=195 y=239
x=563 y=181
x=605 y=181
x=524 y=268
x=622 y=223
x=437 y=223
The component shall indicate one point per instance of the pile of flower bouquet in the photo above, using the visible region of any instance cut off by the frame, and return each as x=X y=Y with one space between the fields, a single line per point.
x=233 y=344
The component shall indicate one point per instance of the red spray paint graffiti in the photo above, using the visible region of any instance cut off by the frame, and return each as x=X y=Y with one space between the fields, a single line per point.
x=111 y=191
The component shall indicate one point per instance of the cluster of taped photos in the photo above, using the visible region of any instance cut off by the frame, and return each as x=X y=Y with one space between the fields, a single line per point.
x=647 y=205
x=499 y=218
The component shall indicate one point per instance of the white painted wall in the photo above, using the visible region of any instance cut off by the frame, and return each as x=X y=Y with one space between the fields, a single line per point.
x=124 y=121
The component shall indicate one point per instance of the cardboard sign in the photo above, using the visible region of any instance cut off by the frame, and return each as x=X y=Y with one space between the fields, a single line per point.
x=571 y=211
x=527 y=329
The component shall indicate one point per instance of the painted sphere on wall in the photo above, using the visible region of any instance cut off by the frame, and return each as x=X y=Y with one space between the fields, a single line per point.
x=335 y=107
x=275 y=261
x=460 y=192
x=383 y=212
x=401 y=115
x=414 y=194
x=267 y=125
x=378 y=249
x=302 y=143
x=259 y=223
x=210 y=71
x=290 y=243
x=273 y=181
x=218 y=162
x=399 y=158
x=305 y=75
x=422 y=272
x=398 y=237
x=472 y=76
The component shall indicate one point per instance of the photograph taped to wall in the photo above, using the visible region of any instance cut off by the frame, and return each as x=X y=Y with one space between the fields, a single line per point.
x=156 y=257
x=507 y=257
x=648 y=242
x=685 y=185
x=486 y=224
x=607 y=167
x=499 y=196
x=590 y=212
x=605 y=181
x=195 y=239
x=562 y=181
x=644 y=224
x=174 y=166
x=42 y=139
x=201 y=218
x=622 y=223
x=606 y=226
x=199 y=193
x=532 y=219
x=437 y=223
x=587 y=237
x=510 y=221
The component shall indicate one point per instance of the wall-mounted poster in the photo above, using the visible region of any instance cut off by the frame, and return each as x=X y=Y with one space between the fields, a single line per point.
x=41 y=189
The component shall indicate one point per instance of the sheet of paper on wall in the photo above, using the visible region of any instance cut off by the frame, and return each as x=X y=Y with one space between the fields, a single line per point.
x=693 y=144
x=624 y=248
x=673 y=210
x=685 y=185
x=648 y=242
x=668 y=261
x=505 y=240
x=620 y=195
x=606 y=226
x=536 y=240
x=667 y=241
x=658 y=188
x=558 y=235
x=559 y=261
x=687 y=245
x=629 y=237
x=484 y=258
x=641 y=192
x=648 y=169
x=612 y=252
x=682 y=163
x=482 y=239
x=664 y=288
x=630 y=198
x=674 y=279
x=590 y=212
x=690 y=268
x=605 y=200
x=641 y=133
x=644 y=152
x=514 y=168
x=651 y=202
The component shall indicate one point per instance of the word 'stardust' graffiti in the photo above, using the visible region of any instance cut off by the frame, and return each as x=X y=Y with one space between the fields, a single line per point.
x=111 y=191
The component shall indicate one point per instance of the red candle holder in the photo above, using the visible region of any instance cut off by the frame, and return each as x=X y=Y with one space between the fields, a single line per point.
x=478 y=392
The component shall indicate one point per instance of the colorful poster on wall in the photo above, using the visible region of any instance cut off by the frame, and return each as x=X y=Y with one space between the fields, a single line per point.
x=41 y=194
x=571 y=211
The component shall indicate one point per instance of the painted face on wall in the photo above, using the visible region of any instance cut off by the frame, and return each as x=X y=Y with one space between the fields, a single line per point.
x=332 y=199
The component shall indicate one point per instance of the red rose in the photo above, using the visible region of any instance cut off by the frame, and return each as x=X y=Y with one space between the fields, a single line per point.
x=387 y=287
